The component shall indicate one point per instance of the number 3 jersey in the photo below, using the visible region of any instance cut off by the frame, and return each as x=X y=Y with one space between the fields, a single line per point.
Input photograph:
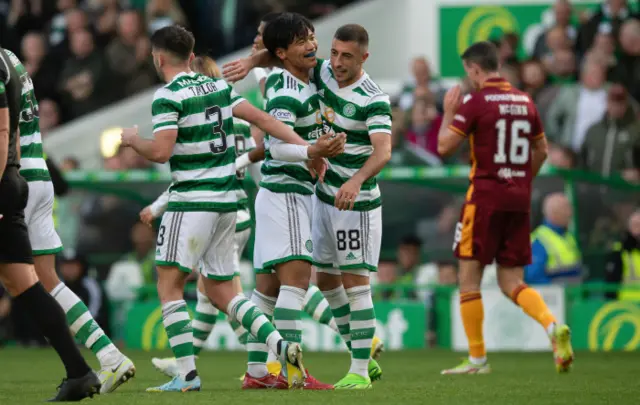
x=203 y=159
x=501 y=122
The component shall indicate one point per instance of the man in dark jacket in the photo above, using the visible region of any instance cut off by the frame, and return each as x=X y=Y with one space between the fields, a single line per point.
x=612 y=145
x=611 y=15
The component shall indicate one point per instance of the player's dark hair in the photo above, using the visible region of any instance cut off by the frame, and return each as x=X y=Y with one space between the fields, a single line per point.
x=483 y=54
x=411 y=240
x=353 y=32
x=174 y=39
x=267 y=18
x=284 y=30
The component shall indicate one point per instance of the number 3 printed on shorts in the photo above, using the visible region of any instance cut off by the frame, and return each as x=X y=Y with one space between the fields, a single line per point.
x=160 y=240
x=353 y=240
x=213 y=115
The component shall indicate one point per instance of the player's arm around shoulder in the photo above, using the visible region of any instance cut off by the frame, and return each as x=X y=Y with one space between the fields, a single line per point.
x=458 y=121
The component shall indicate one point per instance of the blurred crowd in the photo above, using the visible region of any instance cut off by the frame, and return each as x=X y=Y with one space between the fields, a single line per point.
x=584 y=75
x=85 y=54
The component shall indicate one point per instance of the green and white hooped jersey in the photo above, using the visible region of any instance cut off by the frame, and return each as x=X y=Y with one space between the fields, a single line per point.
x=244 y=143
x=203 y=159
x=294 y=103
x=359 y=110
x=32 y=163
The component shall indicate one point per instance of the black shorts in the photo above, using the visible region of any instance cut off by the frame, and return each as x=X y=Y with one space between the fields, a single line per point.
x=14 y=236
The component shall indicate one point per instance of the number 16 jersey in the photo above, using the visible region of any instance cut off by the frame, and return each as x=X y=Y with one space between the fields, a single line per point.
x=203 y=159
x=501 y=122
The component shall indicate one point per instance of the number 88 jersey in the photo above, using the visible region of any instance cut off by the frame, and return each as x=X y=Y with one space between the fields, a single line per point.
x=500 y=122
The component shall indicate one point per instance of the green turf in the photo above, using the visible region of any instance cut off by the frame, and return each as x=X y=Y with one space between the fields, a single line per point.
x=29 y=376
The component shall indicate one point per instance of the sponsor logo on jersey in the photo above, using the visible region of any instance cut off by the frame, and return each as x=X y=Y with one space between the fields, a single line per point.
x=282 y=115
x=310 y=108
x=321 y=93
x=507 y=173
x=349 y=110
x=351 y=256
x=318 y=117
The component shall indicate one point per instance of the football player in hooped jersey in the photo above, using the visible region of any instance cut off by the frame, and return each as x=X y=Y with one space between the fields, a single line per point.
x=347 y=221
x=508 y=147
x=193 y=131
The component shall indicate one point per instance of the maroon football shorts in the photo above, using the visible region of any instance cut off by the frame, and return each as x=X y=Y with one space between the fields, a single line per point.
x=485 y=234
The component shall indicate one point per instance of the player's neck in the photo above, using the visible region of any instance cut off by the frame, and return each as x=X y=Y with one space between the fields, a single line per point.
x=300 y=74
x=489 y=76
x=171 y=72
x=350 y=82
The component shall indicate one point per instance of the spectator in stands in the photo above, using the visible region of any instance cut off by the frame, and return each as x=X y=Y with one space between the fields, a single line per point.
x=69 y=164
x=74 y=272
x=603 y=51
x=106 y=21
x=611 y=15
x=44 y=73
x=577 y=107
x=163 y=13
x=129 y=55
x=629 y=62
x=562 y=157
x=86 y=82
x=58 y=27
x=422 y=133
x=555 y=254
x=508 y=48
x=143 y=239
x=612 y=145
x=561 y=35
x=623 y=262
x=49 y=115
x=421 y=82
x=561 y=66
x=534 y=79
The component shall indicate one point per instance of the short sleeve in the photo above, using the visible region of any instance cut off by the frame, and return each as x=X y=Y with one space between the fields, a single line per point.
x=235 y=98
x=378 y=114
x=464 y=120
x=165 y=110
x=537 y=132
x=284 y=108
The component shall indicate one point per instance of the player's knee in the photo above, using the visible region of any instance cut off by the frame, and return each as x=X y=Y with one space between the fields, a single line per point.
x=355 y=279
x=296 y=273
x=171 y=283
x=267 y=284
x=327 y=281
x=17 y=278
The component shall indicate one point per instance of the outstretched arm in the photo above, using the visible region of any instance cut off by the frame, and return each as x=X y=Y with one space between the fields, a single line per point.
x=239 y=69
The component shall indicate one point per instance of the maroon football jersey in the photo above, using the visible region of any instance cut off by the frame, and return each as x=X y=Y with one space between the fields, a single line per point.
x=500 y=122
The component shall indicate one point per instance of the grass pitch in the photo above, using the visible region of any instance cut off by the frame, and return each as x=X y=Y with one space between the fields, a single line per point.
x=412 y=377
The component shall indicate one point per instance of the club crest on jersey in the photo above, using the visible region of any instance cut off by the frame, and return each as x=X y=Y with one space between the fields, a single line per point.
x=349 y=110
x=318 y=117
